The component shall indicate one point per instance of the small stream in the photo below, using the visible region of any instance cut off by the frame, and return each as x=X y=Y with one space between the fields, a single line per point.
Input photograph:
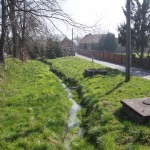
x=73 y=125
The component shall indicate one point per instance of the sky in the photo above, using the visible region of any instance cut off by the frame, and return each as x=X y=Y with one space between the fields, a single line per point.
x=108 y=13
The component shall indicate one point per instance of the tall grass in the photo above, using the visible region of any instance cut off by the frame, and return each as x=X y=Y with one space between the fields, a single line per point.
x=33 y=107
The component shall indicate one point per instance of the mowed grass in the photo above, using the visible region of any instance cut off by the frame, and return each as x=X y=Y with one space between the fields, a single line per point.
x=34 y=107
x=106 y=126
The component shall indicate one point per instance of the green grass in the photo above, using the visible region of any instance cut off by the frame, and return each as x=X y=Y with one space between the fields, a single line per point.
x=34 y=107
x=137 y=55
x=106 y=126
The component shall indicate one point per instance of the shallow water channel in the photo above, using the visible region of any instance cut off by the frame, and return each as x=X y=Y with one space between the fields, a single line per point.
x=73 y=125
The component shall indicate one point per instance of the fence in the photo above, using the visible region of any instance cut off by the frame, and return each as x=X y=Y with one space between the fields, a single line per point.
x=106 y=56
x=116 y=58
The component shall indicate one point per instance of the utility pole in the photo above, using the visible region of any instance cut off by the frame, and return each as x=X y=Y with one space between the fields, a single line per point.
x=72 y=42
x=77 y=42
x=128 y=41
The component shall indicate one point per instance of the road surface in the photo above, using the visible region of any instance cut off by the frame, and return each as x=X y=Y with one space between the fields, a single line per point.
x=134 y=71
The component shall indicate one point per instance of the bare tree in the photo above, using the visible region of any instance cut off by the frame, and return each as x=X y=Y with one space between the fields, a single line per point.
x=27 y=19
x=3 y=30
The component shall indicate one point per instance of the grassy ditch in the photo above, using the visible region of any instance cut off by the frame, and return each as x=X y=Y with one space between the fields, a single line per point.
x=33 y=107
x=106 y=126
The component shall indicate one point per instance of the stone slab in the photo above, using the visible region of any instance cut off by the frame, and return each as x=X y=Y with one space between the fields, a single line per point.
x=136 y=109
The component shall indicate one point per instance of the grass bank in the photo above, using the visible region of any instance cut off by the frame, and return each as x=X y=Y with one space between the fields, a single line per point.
x=34 y=108
x=106 y=126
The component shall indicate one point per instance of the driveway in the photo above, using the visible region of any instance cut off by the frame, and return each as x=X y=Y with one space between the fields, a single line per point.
x=134 y=71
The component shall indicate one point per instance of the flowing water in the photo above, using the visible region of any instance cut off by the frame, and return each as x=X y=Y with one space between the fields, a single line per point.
x=73 y=128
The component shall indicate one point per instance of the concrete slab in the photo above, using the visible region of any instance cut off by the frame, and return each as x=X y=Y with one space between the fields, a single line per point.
x=137 y=109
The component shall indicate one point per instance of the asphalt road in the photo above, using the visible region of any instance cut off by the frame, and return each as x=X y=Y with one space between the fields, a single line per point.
x=134 y=71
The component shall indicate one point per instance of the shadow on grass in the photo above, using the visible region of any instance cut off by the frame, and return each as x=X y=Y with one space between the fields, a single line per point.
x=114 y=72
x=131 y=130
x=112 y=90
x=122 y=117
x=17 y=135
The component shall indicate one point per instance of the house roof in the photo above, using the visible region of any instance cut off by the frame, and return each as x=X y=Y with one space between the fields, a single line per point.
x=89 y=38
x=66 y=43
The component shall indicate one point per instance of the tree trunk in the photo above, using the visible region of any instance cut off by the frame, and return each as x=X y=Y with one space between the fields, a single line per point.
x=12 y=17
x=3 y=31
x=142 y=56
x=23 y=57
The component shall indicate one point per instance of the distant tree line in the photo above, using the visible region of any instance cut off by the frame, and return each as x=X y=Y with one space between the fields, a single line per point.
x=50 y=49
x=107 y=43
x=53 y=49
x=23 y=29
x=140 y=27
